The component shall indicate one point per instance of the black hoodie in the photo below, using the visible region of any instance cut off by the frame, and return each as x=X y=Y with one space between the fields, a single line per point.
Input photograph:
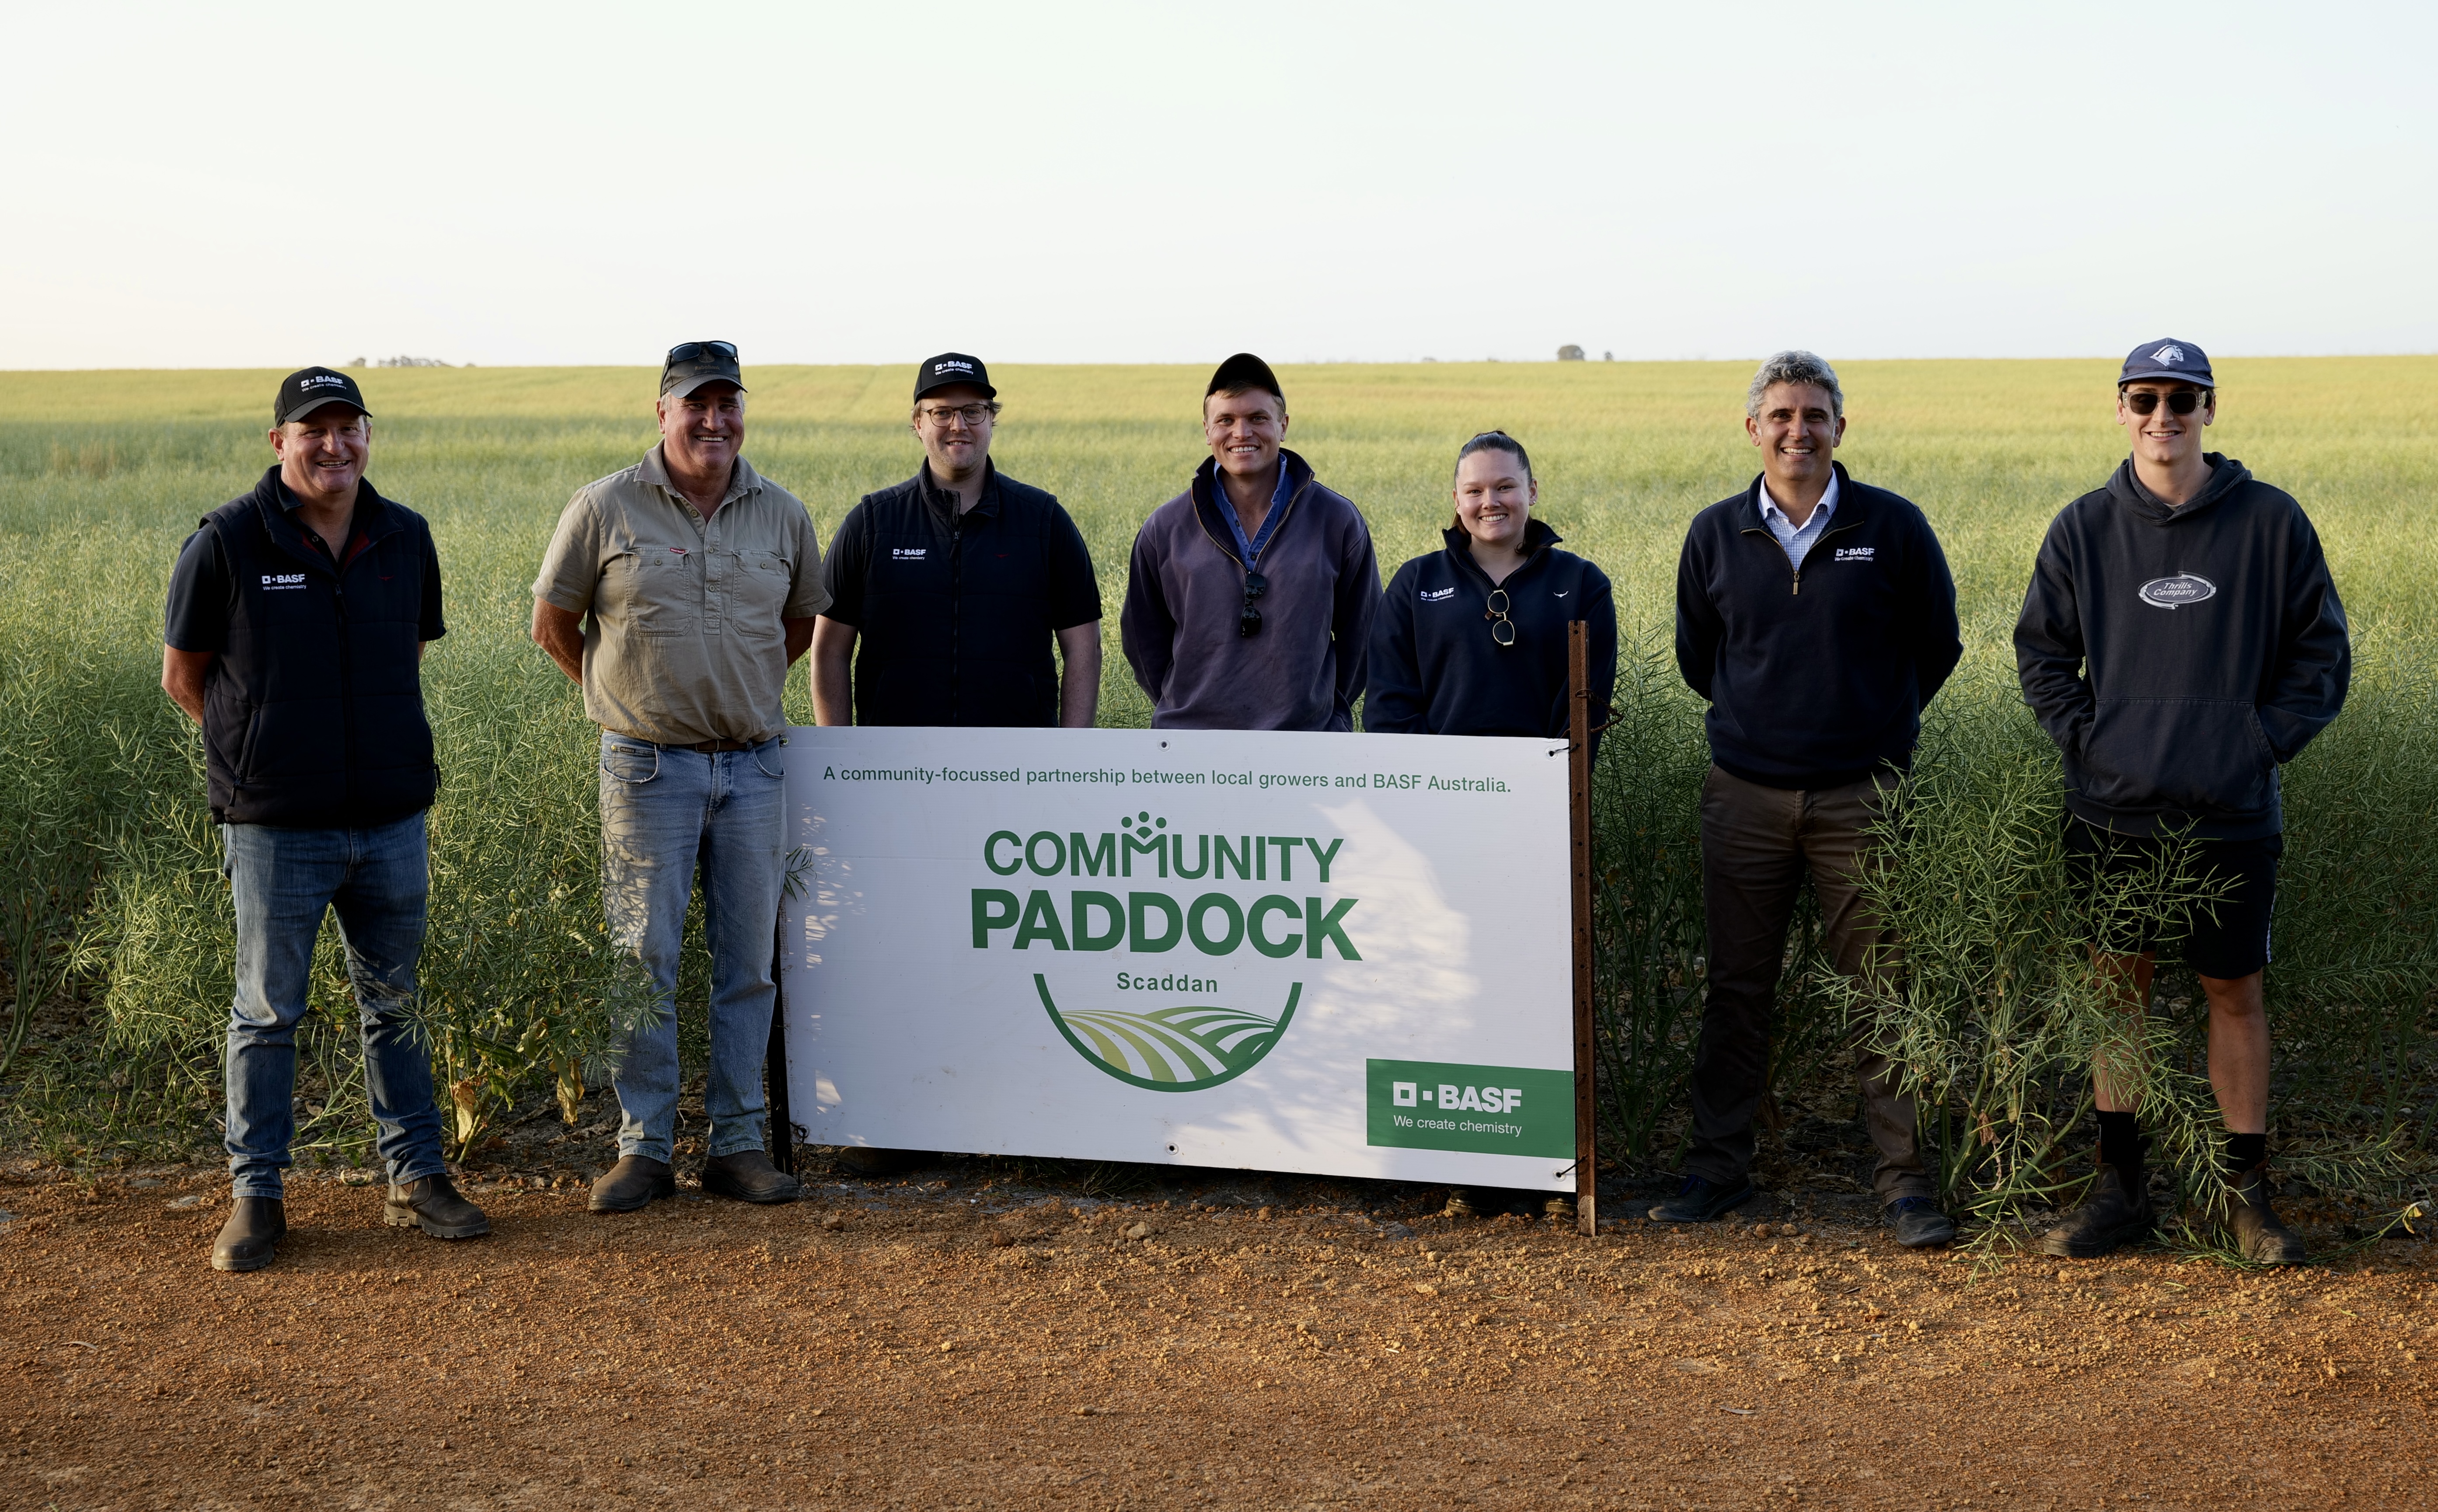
x=1433 y=669
x=2178 y=656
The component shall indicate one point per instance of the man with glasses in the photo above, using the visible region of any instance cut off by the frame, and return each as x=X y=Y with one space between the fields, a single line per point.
x=1816 y=616
x=678 y=593
x=2182 y=639
x=1251 y=596
x=947 y=593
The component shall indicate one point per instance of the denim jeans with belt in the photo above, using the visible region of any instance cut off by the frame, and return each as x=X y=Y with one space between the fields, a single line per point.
x=282 y=882
x=668 y=813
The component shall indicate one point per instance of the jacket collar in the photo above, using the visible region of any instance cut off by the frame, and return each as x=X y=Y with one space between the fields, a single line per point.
x=276 y=504
x=942 y=507
x=1537 y=538
x=1208 y=501
x=742 y=479
x=1849 y=502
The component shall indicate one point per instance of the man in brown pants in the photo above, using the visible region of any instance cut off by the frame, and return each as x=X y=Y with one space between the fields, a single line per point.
x=1817 y=617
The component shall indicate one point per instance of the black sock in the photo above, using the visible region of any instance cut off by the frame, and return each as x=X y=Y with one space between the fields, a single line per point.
x=2244 y=1152
x=2120 y=1143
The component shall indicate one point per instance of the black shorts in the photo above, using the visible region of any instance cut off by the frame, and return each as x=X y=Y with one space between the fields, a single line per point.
x=2228 y=939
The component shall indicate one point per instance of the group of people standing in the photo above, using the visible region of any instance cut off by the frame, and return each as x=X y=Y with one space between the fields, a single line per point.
x=1815 y=614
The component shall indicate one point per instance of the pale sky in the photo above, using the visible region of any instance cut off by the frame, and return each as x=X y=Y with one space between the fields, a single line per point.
x=233 y=185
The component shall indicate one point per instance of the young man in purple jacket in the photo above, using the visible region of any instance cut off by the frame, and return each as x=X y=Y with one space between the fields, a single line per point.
x=1251 y=593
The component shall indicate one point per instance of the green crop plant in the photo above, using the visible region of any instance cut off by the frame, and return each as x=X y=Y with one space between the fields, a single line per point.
x=111 y=898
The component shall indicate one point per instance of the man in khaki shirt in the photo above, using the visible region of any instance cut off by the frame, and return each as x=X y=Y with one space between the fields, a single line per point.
x=678 y=593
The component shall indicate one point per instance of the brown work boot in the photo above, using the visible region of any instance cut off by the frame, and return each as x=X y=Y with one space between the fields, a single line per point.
x=432 y=1205
x=748 y=1176
x=635 y=1183
x=2110 y=1215
x=249 y=1240
x=2259 y=1235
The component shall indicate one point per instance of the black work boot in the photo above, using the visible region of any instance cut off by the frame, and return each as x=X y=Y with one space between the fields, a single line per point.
x=1703 y=1201
x=432 y=1205
x=2110 y=1215
x=748 y=1176
x=635 y=1183
x=249 y=1240
x=1917 y=1224
x=2259 y=1234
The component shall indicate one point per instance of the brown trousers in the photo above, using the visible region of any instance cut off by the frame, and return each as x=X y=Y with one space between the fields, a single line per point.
x=1758 y=843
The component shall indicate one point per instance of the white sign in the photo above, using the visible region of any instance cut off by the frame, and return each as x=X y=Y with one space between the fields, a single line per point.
x=1336 y=954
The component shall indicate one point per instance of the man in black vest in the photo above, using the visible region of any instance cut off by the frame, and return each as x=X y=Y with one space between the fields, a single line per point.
x=1817 y=615
x=947 y=593
x=297 y=617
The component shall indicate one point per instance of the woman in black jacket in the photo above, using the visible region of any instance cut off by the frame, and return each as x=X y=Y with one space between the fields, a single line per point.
x=1472 y=640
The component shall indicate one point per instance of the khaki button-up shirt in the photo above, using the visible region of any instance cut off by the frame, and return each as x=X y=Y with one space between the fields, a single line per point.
x=683 y=642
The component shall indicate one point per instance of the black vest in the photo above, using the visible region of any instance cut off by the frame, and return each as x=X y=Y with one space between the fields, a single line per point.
x=313 y=714
x=956 y=609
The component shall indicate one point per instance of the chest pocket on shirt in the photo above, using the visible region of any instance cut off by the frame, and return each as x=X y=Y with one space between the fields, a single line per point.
x=663 y=590
x=758 y=591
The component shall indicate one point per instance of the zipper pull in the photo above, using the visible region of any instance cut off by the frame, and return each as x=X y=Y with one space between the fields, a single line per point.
x=1799 y=580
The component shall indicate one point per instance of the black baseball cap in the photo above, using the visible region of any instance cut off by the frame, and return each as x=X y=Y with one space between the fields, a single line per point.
x=952 y=367
x=691 y=365
x=1244 y=373
x=308 y=389
x=2169 y=360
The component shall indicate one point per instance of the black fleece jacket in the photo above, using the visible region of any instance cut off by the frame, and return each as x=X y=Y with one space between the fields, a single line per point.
x=1433 y=669
x=1815 y=679
x=2178 y=656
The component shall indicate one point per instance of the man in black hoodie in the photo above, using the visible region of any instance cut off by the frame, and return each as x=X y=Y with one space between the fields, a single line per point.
x=1817 y=615
x=2180 y=641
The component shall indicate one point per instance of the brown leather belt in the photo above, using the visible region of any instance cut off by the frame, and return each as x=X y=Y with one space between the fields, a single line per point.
x=707 y=747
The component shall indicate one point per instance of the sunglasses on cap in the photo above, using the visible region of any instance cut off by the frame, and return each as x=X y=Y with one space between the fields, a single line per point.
x=2179 y=401
x=696 y=351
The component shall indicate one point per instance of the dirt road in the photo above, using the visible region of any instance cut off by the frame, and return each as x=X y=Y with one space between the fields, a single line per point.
x=943 y=1346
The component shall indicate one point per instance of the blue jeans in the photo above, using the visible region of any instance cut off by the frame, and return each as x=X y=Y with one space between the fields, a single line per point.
x=282 y=882
x=666 y=813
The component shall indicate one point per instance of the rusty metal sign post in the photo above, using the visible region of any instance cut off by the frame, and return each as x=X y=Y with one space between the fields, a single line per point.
x=1579 y=817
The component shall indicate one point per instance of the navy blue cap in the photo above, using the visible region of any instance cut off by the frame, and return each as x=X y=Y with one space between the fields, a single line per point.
x=2169 y=360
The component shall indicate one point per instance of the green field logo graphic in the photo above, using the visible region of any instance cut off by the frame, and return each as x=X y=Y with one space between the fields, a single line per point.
x=1171 y=1049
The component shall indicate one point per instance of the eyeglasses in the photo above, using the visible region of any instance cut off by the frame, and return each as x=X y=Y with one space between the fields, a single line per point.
x=1249 y=623
x=696 y=351
x=1502 y=629
x=2179 y=401
x=973 y=414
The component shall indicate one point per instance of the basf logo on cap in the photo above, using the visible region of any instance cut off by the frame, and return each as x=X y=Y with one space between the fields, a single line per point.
x=938 y=368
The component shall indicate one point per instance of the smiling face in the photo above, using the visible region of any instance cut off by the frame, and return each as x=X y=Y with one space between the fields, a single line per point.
x=1798 y=429
x=702 y=431
x=1494 y=498
x=2162 y=438
x=953 y=437
x=322 y=457
x=1244 y=430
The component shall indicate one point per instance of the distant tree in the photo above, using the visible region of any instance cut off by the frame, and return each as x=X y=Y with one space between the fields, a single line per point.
x=1570 y=354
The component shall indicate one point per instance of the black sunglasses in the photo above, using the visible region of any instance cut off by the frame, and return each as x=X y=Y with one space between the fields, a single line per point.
x=1249 y=623
x=2179 y=401
x=696 y=351
x=1502 y=629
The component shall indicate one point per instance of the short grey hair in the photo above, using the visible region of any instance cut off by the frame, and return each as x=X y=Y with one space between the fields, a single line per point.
x=1796 y=366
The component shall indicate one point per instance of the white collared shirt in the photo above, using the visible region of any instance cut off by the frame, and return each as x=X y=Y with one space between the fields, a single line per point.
x=1796 y=541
